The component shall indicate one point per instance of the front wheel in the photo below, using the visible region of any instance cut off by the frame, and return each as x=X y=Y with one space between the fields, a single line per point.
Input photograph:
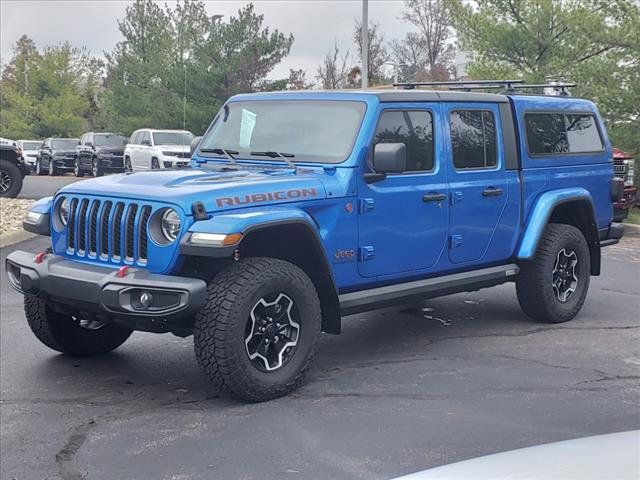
x=127 y=165
x=53 y=171
x=38 y=167
x=77 y=170
x=256 y=336
x=10 y=179
x=70 y=335
x=96 y=167
x=552 y=287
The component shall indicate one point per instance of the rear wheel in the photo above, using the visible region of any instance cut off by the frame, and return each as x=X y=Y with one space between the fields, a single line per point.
x=553 y=286
x=71 y=335
x=10 y=179
x=257 y=334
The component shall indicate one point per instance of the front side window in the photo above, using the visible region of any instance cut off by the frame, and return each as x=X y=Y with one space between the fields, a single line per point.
x=559 y=133
x=145 y=138
x=414 y=128
x=304 y=130
x=473 y=139
x=109 y=140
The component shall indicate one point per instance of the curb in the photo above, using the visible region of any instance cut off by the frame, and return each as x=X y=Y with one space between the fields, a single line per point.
x=17 y=236
x=631 y=229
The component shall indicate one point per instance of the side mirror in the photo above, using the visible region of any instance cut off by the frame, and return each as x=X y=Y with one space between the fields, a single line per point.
x=194 y=144
x=387 y=158
x=146 y=142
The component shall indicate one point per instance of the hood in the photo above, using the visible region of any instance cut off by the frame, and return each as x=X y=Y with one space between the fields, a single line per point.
x=174 y=148
x=113 y=150
x=63 y=152
x=218 y=190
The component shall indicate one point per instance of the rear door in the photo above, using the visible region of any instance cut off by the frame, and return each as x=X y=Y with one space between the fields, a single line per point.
x=403 y=219
x=477 y=179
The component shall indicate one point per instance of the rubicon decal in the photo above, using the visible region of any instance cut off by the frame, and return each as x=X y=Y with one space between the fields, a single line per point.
x=267 y=197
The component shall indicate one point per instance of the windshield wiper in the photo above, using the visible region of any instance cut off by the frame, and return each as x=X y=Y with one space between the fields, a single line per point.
x=221 y=151
x=273 y=154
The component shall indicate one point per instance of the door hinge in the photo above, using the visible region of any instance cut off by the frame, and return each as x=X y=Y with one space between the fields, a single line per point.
x=366 y=204
x=456 y=197
x=367 y=253
x=455 y=241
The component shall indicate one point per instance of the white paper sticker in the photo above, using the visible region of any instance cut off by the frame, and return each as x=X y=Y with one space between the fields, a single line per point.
x=246 y=128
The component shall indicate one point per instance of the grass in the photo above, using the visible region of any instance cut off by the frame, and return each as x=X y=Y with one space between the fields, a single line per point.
x=634 y=216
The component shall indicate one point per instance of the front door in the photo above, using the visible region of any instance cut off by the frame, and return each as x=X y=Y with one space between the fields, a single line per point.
x=403 y=219
x=477 y=179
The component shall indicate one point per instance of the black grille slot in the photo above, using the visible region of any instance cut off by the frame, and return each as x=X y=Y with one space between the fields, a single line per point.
x=93 y=227
x=104 y=229
x=142 y=233
x=82 y=223
x=71 y=225
x=129 y=230
x=115 y=231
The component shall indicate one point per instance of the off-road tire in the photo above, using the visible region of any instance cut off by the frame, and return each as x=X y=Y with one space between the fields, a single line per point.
x=536 y=295
x=77 y=169
x=219 y=329
x=61 y=332
x=96 y=167
x=11 y=174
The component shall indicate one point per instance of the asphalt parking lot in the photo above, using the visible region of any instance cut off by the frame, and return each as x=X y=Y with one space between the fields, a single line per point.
x=35 y=187
x=400 y=390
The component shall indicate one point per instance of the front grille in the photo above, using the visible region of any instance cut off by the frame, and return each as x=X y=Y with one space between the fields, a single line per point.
x=113 y=230
x=619 y=169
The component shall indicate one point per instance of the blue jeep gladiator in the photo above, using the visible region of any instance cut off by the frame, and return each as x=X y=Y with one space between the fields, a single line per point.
x=304 y=207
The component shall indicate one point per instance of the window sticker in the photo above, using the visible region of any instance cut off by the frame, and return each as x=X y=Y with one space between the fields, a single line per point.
x=247 y=124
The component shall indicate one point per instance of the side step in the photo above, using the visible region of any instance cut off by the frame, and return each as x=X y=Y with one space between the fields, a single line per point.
x=365 y=300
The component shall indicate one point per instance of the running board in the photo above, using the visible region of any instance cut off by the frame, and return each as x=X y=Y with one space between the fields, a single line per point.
x=365 y=300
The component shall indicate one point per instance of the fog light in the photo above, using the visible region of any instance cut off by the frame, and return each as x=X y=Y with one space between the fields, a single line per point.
x=146 y=299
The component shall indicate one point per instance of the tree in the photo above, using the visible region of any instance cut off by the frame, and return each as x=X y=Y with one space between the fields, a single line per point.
x=378 y=54
x=297 y=80
x=429 y=51
x=332 y=74
x=592 y=42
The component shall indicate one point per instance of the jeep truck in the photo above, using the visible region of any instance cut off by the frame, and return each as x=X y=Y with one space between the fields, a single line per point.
x=304 y=207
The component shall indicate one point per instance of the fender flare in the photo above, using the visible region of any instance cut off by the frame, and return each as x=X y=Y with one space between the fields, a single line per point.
x=540 y=215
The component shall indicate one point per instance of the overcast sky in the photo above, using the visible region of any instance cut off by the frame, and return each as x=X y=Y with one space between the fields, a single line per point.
x=93 y=24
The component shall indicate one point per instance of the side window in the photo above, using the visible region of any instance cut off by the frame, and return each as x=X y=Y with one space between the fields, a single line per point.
x=414 y=128
x=473 y=139
x=145 y=137
x=583 y=134
x=559 y=133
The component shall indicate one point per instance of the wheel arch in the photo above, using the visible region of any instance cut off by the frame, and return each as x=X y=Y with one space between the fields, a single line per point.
x=572 y=206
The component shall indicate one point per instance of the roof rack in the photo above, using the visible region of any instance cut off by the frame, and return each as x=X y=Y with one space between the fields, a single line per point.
x=509 y=86
x=463 y=84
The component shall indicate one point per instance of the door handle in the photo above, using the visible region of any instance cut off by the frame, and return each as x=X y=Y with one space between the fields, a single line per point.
x=434 y=197
x=492 y=192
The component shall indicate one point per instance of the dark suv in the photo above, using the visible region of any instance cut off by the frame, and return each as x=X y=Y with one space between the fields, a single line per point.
x=12 y=171
x=99 y=153
x=56 y=155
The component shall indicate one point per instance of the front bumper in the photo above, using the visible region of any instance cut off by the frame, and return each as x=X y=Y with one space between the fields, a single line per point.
x=65 y=163
x=101 y=291
x=112 y=162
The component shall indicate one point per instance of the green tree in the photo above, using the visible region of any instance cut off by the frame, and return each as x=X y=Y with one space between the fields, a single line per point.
x=592 y=42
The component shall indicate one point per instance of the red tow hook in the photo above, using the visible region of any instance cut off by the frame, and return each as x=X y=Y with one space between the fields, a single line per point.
x=122 y=271
x=39 y=257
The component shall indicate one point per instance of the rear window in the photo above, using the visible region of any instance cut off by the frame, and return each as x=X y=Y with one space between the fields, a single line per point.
x=560 y=133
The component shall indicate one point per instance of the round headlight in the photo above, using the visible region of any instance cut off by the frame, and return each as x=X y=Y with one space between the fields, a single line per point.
x=170 y=224
x=63 y=211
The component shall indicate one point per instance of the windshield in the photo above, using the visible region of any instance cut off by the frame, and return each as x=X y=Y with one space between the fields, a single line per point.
x=306 y=131
x=31 y=145
x=110 y=140
x=64 y=143
x=172 y=138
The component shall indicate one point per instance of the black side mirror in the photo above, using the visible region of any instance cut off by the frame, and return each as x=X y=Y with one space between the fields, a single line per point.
x=387 y=158
x=194 y=144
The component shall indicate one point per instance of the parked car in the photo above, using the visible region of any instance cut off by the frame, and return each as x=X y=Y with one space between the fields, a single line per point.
x=98 y=153
x=7 y=141
x=30 y=151
x=12 y=170
x=150 y=149
x=56 y=155
x=624 y=168
x=303 y=207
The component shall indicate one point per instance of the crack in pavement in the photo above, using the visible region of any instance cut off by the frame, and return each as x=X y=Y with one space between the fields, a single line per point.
x=65 y=458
